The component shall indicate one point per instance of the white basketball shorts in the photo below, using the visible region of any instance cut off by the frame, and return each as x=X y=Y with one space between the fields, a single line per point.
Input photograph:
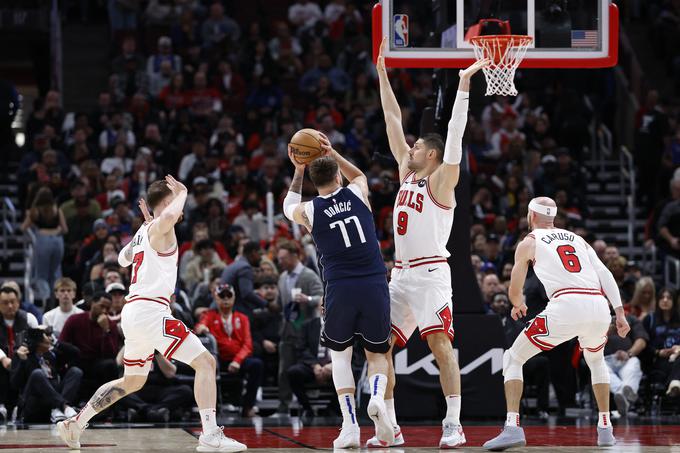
x=421 y=297
x=149 y=326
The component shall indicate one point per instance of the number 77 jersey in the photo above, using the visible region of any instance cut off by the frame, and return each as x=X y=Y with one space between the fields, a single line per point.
x=562 y=262
x=344 y=232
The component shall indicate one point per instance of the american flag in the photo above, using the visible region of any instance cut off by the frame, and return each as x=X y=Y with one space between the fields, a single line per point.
x=584 y=38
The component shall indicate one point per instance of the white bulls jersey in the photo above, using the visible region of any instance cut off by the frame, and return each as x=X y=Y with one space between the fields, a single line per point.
x=422 y=225
x=154 y=275
x=562 y=263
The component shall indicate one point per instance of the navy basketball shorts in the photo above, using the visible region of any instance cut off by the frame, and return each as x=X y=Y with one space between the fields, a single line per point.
x=357 y=308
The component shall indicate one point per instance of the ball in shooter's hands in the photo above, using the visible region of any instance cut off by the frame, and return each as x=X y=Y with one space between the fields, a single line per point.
x=306 y=146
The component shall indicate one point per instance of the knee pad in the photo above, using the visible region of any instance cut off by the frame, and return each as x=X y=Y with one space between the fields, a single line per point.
x=512 y=368
x=515 y=357
x=599 y=373
x=342 y=369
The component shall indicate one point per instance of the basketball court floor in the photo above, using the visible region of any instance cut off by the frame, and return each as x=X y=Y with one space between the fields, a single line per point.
x=557 y=435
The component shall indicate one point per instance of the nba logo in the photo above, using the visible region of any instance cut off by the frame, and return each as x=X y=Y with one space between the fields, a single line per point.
x=400 y=30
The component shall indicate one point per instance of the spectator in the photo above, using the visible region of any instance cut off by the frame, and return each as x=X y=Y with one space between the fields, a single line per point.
x=117 y=292
x=218 y=28
x=50 y=226
x=116 y=131
x=128 y=52
x=253 y=222
x=160 y=80
x=340 y=81
x=663 y=328
x=621 y=355
x=25 y=305
x=537 y=369
x=198 y=152
x=644 y=298
x=600 y=246
x=14 y=322
x=231 y=330
x=155 y=62
x=97 y=340
x=203 y=100
x=266 y=326
x=46 y=378
x=669 y=227
x=202 y=265
x=65 y=293
x=301 y=292
x=240 y=275
x=491 y=285
x=304 y=14
x=80 y=196
x=313 y=366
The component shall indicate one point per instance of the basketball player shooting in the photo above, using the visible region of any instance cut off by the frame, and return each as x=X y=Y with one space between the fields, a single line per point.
x=148 y=324
x=420 y=288
x=357 y=301
x=575 y=278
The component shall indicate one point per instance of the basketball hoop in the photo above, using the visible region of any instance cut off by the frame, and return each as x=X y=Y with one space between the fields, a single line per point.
x=506 y=52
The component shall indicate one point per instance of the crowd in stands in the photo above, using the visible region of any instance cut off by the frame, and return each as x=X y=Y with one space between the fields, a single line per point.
x=212 y=95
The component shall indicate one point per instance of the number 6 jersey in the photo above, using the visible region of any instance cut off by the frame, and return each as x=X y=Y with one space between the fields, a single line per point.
x=344 y=233
x=563 y=263
x=154 y=274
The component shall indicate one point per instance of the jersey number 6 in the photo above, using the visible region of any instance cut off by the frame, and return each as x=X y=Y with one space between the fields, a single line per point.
x=137 y=261
x=569 y=259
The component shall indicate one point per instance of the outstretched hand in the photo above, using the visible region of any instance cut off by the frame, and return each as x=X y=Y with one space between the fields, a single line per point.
x=380 y=61
x=145 y=210
x=175 y=186
x=473 y=68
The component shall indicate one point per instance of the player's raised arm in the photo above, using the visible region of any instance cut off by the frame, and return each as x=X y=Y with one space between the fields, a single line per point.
x=293 y=207
x=171 y=214
x=523 y=255
x=445 y=178
x=392 y=112
x=611 y=291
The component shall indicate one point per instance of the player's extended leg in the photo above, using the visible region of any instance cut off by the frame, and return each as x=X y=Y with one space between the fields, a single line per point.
x=599 y=377
x=343 y=380
x=71 y=429
x=449 y=377
x=377 y=410
x=513 y=361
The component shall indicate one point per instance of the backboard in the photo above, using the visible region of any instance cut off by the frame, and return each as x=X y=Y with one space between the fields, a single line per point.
x=435 y=33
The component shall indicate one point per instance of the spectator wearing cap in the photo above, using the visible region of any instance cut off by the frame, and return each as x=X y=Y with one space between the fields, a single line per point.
x=494 y=254
x=240 y=275
x=97 y=340
x=204 y=262
x=117 y=292
x=65 y=293
x=79 y=196
x=197 y=155
x=14 y=322
x=231 y=330
x=164 y=54
x=253 y=222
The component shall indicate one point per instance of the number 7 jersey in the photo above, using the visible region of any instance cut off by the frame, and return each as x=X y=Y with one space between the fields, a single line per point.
x=562 y=262
x=344 y=232
x=154 y=274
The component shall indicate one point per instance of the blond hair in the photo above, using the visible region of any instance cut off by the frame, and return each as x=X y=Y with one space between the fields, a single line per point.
x=65 y=282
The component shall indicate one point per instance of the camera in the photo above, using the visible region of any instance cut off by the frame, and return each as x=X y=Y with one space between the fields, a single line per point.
x=225 y=291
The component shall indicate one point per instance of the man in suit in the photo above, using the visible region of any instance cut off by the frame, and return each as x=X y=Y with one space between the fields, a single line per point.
x=314 y=364
x=301 y=292
x=240 y=275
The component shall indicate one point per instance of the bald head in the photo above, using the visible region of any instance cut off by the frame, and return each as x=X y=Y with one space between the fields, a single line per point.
x=542 y=211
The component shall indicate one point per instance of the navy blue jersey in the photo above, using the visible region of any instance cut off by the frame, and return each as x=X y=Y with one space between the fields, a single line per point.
x=344 y=233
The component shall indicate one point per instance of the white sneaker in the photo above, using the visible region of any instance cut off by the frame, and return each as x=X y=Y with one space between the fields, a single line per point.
x=3 y=414
x=217 y=441
x=70 y=433
x=383 y=427
x=452 y=436
x=56 y=415
x=70 y=412
x=350 y=437
x=373 y=442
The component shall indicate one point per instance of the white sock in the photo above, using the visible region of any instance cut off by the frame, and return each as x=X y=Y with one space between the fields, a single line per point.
x=603 y=420
x=512 y=419
x=378 y=383
x=389 y=404
x=453 y=409
x=349 y=413
x=208 y=420
x=84 y=416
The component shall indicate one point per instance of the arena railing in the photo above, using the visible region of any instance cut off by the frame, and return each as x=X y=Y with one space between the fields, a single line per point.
x=671 y=272
x=29 y=247
x=628 y=189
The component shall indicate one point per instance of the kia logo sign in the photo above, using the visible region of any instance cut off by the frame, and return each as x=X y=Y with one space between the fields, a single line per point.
x=429 y=365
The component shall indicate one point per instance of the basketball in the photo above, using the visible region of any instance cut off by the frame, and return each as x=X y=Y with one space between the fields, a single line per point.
x=305 y=146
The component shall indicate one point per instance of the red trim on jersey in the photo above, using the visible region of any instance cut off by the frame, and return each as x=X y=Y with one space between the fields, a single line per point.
x=137 y=362
x=434 y=329
x=598 y=348
x=434 y=200
x=406 y=177
x=418 y=259
x=173 y=347
x=401 y=338
x=419 y=264
x=587 y=291
x=149 y=299
x=542 y=345
x=169 y=253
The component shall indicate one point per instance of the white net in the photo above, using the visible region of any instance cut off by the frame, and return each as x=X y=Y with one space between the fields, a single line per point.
x=506 y=52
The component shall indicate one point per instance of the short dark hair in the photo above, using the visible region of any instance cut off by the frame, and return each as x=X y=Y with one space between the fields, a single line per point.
x=291 y=247
x=250 y=247
x=265 y=280
x=434 y=141
x=99 y=295
x=322 y=171
x=158 y=190
x=9 y=289
x=204 y=244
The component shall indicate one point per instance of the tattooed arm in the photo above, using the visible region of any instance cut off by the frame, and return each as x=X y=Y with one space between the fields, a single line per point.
x=293 y=207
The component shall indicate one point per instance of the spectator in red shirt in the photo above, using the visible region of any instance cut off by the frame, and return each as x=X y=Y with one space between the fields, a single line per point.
x=231 y=330
x=97 y=339
x=203 y=100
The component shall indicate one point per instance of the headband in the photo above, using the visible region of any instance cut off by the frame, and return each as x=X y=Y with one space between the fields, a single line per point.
x=544 y=210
